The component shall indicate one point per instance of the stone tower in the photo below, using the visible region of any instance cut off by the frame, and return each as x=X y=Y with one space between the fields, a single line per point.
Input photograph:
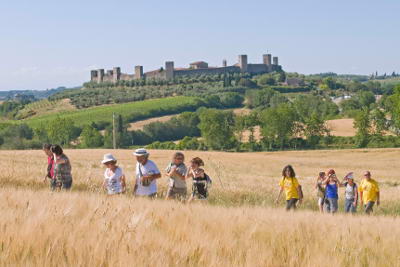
x=169 y=70
x=116 y=74
x=93 y=75
x=138 y=72
x=243 y=63
x=267 y=59
x=100 y=75
x=275 y=60
x=224 y=63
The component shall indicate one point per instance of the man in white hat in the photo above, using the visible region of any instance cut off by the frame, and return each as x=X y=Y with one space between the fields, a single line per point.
x=146 y=174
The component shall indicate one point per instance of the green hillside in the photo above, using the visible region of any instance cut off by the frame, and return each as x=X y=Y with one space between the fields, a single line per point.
x=130 y=111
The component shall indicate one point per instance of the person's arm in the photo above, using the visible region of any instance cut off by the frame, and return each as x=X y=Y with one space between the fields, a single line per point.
x=300 y=192
x=60 y=160
x=361 y=197
x=123 y=183
x=189 y=173
x=378 y=199
x=135 y=187
x=325 y=181
x=104 y=185
x=355 y=196
x=279 y=195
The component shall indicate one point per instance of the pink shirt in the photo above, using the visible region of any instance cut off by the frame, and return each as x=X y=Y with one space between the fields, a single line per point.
x=50 y=166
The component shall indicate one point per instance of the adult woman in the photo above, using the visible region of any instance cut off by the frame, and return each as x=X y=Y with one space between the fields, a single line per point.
x=320 y=191
x=114 y=178
x=331 y=184
x=62 y=168
x=176 y=171
x=201 y=180
x=291 y=186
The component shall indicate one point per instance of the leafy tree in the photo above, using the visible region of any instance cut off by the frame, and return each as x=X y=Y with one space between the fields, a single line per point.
x=217 y=128
x=363 y=125
x=61 y=131
x=278 y=125
x=314 y=129
x=91 y=137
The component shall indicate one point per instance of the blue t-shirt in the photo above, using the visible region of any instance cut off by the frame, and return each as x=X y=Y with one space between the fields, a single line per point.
x=331 y=191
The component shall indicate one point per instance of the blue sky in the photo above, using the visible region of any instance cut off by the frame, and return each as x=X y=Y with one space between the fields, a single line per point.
x=46 y=44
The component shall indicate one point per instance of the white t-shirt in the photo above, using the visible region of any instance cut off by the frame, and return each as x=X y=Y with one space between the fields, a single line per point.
x=113 y=181
x=149 y=168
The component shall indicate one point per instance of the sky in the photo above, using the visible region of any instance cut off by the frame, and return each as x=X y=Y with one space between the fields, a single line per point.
x=48 y=43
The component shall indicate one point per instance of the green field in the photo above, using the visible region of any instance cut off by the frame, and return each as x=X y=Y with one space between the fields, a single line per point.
x=130 y=111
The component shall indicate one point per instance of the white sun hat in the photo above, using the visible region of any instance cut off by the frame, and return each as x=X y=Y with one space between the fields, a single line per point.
x=141 y=152
x=108 y=158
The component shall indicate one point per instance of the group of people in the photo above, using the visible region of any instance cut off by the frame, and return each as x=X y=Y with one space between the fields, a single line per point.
x=147 y=173
x=327 y=187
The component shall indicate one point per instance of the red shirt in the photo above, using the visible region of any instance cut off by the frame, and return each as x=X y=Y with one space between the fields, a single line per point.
x=50 y=166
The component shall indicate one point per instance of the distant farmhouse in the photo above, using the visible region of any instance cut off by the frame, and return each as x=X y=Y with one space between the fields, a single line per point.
x=269 y=64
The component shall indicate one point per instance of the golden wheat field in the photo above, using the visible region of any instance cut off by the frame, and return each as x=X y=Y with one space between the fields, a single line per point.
x=238 y=226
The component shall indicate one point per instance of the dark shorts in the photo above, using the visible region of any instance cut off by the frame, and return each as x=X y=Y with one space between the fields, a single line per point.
x=200 y=191
x=291 y=203
x=369 y=207
x=54 y=184
x=177 y=193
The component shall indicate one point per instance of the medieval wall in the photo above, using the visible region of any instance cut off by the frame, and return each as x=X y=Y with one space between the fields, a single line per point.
x=210 y=71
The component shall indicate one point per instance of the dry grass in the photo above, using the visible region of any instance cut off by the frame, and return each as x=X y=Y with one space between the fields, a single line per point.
x=239 y=226
x=341 y=127
x=138 y=125
x=239 y=178
x=78 y=229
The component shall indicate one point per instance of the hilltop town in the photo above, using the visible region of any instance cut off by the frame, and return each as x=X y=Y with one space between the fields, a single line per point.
x=269 y=64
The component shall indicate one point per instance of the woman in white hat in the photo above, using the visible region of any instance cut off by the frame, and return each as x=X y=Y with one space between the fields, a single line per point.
x=146 y=174
x=114 y=178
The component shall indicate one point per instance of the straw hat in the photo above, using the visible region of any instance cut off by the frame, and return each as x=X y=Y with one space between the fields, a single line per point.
x=141 y=152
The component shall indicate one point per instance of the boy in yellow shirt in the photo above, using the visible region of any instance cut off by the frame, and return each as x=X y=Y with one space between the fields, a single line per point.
x=291 y=186
x=369 y=193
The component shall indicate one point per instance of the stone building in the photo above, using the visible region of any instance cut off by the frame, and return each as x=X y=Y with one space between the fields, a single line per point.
x=269 y=64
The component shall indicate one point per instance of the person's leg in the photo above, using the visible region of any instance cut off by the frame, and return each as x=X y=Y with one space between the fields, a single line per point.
x=291 y=204
x=67 y=185
x=327 y=205
x=288 y=204
x=170 y=193
x=369 y=207
x=353 y=208
x=53 y=184
x=321 y=204
x=347 y=205
x=334 y=205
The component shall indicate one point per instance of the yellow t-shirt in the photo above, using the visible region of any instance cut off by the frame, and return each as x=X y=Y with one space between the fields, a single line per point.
x=370 y=190
x=290 y=186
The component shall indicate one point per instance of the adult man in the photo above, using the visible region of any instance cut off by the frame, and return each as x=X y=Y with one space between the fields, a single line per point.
x=369 y=192
x=146 y=174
